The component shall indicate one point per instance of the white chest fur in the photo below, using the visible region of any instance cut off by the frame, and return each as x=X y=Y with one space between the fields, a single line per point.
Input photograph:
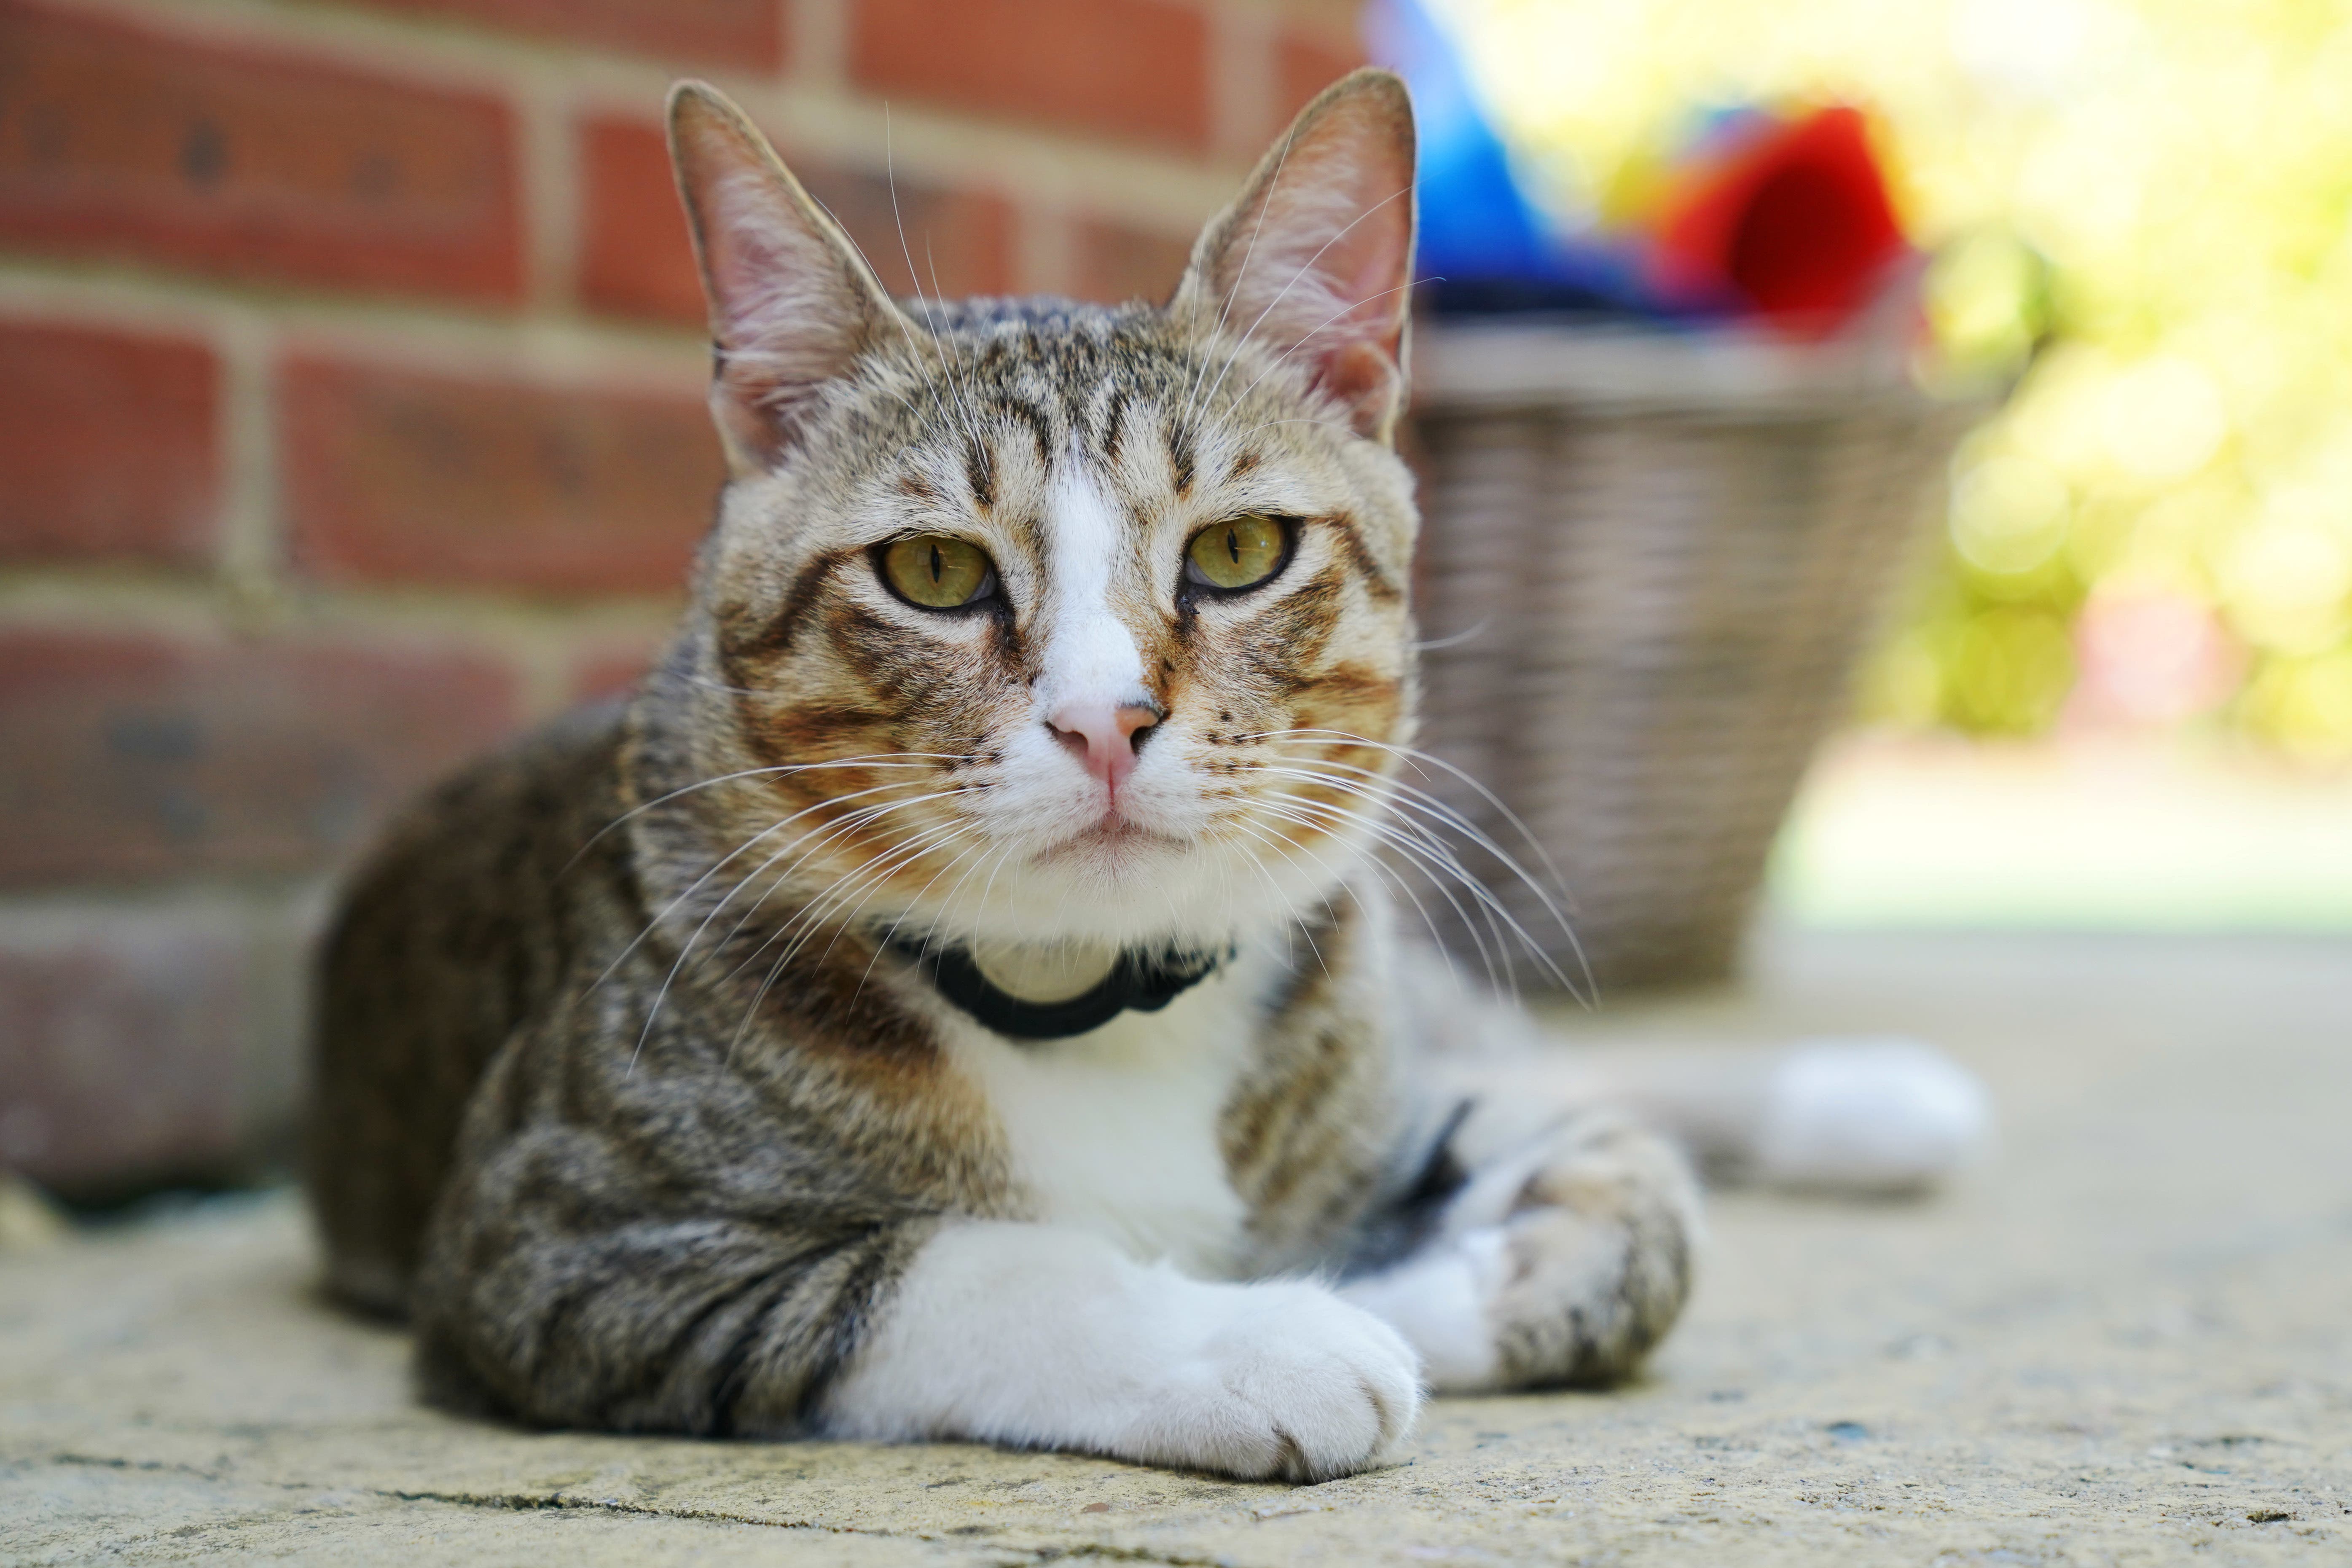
x=1116 y=1131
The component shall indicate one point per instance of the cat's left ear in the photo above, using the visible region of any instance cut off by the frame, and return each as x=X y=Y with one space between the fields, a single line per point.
x=1314 y=258
x=791 y=302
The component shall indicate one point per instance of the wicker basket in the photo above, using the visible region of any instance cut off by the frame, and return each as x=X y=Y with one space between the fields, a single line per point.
x=1649 y=562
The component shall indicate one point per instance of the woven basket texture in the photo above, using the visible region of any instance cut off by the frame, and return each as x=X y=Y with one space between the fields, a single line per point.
x=1648 y=565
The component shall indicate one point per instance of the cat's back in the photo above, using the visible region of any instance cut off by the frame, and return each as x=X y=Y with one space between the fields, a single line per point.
x=468 y=915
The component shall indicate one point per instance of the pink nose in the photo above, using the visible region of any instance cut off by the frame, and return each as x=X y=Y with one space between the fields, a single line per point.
x=1104 y=738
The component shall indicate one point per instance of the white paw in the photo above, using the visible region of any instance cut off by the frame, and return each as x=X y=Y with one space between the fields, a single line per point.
x=1883 y=1115
x=1048 y=1337
x=1438 y=1300
x=1293 y=1382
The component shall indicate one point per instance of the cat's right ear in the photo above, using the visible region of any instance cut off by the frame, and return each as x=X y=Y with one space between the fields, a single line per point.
x=791 y=302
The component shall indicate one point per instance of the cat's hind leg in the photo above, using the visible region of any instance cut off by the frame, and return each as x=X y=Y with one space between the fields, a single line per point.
x=1865 y=1116
x=1862 y=1116
x=1560 y=1260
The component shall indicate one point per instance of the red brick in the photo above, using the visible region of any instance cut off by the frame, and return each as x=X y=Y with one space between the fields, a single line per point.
x=749 y=34
x=638 y=261
x=1131 y=69
x=1304 y=65
x=612 y=667
x=635 y=257
x=122 y=142
x=943 y=243
x=107 y=446
x=1116 y=264
x=121 y=1053
x=418 y=477
x=133 y=755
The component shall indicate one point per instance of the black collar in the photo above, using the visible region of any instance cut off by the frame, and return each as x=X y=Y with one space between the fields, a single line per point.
x=1145 y=982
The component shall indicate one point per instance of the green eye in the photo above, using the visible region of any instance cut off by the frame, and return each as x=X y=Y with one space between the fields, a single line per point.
x=939 y=571
x=1239 y=553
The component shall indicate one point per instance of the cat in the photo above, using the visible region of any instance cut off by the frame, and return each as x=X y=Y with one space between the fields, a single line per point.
x=958 y=995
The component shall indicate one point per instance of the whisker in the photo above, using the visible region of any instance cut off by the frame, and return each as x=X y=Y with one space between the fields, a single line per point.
x=987 y=889
x=1422 y=803
x=923 y=843
x=1415 y=756
x=1468 y=924
x=1434 y=857
x=891 y=935
x=1421 y=832
x=1305 y=338
x=1297 y=922
x=1271 y=423
x=856 y=821
x=1401 y=884
x=947 y=906
x=1453 y=640
x=810 y=914
x=1304 y=268
x=1225 y=306
x=1438 y=882
x=932 y=262
x=1460 y=824
x=685 y=950
x=965 y=413
x=814 y=907
x=877 y=875
x=879 y=759
x=694 y=887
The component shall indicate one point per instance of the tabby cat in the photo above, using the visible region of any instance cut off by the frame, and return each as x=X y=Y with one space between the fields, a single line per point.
x=958 y=995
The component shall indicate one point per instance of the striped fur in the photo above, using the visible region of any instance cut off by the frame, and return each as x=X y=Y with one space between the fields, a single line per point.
x=620 y=1091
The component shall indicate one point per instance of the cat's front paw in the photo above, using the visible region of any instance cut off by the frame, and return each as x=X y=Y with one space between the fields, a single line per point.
x=1293 y=1384
x=1562 y=1263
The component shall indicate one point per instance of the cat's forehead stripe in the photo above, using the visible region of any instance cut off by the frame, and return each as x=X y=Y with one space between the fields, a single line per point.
x=979 y=471
x=1181 y=461
x=1040 y=424
x=1114 y=421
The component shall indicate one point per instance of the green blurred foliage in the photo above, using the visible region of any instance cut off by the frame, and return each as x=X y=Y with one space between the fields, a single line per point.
x=2143 y=209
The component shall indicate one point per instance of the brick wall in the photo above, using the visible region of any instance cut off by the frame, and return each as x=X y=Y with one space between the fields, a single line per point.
x=351 y=416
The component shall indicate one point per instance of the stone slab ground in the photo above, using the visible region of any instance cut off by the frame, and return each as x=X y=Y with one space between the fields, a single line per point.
x=2128 y=1340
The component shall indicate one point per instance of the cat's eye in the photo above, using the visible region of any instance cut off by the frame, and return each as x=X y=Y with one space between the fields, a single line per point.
x=1240 y=553
x=939 y=571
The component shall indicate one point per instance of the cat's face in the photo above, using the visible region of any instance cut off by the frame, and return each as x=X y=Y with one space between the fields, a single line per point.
x=1054 y=622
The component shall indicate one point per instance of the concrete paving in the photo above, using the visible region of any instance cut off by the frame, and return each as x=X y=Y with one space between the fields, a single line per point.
x=2128 y=1340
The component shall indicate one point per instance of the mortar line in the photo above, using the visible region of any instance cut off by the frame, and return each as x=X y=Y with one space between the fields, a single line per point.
x=818 y=34
x=252 y=547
